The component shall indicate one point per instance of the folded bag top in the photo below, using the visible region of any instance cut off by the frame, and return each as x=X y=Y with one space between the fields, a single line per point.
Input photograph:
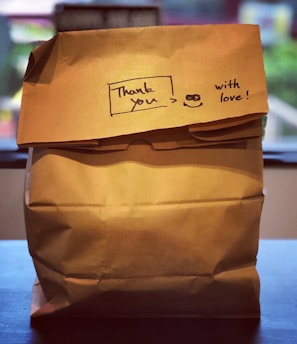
x=89 y=85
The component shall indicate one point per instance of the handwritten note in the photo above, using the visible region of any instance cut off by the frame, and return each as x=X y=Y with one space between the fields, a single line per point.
x=149 y=93
x=228 y=95
x=140 y=94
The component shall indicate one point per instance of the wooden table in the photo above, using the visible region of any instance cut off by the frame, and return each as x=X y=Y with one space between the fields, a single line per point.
x=277 y=266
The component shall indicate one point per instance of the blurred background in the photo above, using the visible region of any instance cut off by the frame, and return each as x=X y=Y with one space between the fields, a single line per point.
x=24 y=24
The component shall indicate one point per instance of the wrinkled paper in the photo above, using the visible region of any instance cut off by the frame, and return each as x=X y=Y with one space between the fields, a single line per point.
x=144 y=182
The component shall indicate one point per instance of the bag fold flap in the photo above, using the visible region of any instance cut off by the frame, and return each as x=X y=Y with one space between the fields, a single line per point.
x=93 y=85
x=185 y=137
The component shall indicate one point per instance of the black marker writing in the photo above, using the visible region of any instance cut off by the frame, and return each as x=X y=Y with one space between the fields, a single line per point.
x=123 y=91
x=193 y=98
x=140 y=94
x=142 y=101
x=225 y=98
x=228 y=84
x=230 y=96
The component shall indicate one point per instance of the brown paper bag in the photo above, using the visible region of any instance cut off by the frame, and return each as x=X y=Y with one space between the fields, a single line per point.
x=144 y=184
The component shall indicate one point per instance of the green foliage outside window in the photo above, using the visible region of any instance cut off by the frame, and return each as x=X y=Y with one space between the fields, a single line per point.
x=281 y=70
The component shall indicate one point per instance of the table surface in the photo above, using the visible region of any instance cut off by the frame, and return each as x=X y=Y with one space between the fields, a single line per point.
x=277 y=266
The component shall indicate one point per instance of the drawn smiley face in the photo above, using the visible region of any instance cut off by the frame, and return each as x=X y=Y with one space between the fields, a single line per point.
x=193 y=100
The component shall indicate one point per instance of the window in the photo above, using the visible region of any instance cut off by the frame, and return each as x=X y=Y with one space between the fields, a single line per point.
x=25 y=24
x=277 y=20
x=19 y=35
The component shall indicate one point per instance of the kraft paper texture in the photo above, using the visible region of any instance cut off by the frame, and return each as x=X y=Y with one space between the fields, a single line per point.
x=97 y=84
x=144 y=182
